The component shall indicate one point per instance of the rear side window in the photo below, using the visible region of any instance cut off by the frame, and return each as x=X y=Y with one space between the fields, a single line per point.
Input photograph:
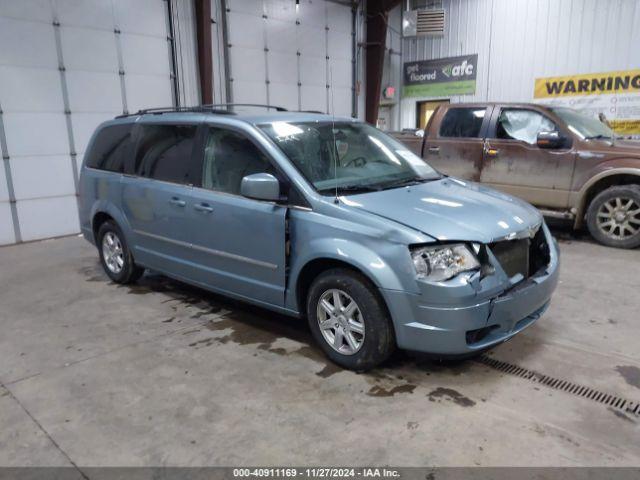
x=462 y=122
x=110 y=148
x=164 y=152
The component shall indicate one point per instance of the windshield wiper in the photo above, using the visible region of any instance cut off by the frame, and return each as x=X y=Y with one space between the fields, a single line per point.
x=351 y=188
x=406 y=182
x=599 y=137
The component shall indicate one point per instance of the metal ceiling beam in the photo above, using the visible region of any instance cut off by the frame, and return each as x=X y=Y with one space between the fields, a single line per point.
x=205 y=55
x=377 y=18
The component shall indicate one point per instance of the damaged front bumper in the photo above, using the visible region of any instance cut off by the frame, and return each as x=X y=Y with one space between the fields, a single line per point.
x=468 y=314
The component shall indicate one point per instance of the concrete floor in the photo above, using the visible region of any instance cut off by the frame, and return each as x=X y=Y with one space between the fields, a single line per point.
x=163 y=374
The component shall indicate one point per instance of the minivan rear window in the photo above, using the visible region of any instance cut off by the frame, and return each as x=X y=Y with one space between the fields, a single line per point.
x=462 y=122
x=164 y=152
x=110 y=148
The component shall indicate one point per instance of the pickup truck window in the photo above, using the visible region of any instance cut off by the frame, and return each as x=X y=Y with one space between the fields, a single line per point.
x=584 y=126
x=523 y=125
x=462 y=122
x=348 y=156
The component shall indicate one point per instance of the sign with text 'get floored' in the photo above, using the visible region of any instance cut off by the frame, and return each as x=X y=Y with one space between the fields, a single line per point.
x=440 y=77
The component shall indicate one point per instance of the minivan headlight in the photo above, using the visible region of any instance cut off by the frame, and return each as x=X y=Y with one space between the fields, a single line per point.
x=442 y=262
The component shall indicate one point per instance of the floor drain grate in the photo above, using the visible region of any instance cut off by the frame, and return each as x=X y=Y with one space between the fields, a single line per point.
x=604 y=398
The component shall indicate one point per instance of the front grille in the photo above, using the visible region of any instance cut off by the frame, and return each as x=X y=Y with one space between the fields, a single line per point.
x=525 y=256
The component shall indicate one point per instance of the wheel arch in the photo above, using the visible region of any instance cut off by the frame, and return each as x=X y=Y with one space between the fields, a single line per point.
x=314 y=267
x=599 y=183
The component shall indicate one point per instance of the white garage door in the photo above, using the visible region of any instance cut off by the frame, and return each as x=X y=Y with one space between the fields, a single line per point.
x=66 y=66
x=280 y=56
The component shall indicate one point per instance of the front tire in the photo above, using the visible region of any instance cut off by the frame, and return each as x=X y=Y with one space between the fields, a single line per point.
x=115 y=255
x=349 y=320
x=613 y=217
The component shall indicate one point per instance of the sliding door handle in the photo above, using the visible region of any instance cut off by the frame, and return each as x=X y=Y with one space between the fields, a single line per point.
x=434 y=150
x=203 y=207
x=177 y=202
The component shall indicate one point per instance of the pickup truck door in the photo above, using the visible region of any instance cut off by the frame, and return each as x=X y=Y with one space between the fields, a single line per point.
x=454 y=140
x=513 y=162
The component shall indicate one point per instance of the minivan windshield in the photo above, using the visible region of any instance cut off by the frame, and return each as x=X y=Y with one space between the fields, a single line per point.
x=583 y=125
x=349 y=157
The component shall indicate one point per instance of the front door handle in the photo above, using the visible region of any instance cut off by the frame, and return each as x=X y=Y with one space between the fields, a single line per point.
x=203 y=207
x=177 y=202
x=434 y=150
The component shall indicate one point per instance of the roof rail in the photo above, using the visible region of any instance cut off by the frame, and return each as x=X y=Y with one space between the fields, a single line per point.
x=274 y=107
x=219 y=108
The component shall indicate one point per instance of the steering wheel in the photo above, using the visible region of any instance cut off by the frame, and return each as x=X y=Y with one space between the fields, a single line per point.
x=357 y=162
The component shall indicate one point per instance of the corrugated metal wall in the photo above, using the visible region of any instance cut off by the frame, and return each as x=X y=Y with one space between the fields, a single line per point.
x=520 y=40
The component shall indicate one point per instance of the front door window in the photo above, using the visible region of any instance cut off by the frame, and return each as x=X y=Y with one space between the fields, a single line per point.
x=523 y=125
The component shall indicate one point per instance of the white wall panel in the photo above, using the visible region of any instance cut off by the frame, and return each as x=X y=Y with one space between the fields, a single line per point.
x=48 y=217
x=143 y=17
x=144 y=91
x=79 y=47
x=35 y=134
x=283 y=68
x=7 y=235
x=339 y=19
x=282 y=37
x=27 y=89
x=27 y=44
x=85 y=13
x=93 y=91
x=249 y=92
x=43 y=176
x=146 y=55
x=314 y=98
x=35 y=10
x=284 y=95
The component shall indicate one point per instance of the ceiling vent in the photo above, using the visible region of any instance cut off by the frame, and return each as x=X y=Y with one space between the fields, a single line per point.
x=423 y=23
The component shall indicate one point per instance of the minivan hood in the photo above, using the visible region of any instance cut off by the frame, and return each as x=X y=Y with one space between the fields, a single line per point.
x=451 y=209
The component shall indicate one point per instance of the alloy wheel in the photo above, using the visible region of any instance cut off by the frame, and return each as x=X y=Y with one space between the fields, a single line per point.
x=619 y=218
x=340 y=321
x=112 y=252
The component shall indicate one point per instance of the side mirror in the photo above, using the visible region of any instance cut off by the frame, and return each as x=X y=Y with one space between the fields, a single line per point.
x=550 y=140
x=260 y=186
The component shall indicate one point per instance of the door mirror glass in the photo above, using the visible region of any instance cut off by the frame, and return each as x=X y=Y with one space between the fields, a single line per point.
x=550 y=140
x=260 y=186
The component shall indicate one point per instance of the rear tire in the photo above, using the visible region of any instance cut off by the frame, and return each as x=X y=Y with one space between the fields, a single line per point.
x=613 y=217
x=115 y=255
x=349 y=320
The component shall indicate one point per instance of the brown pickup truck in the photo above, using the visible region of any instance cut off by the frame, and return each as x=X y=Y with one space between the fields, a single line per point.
x=567 y=164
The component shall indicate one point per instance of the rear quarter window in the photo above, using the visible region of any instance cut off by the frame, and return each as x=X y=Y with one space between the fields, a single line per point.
x=110 y=148
x=164 y=152
x=462 y=122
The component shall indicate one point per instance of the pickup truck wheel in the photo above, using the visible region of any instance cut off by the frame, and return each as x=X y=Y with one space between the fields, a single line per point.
x=349 y=321
x=613 y=216
x=115 y=255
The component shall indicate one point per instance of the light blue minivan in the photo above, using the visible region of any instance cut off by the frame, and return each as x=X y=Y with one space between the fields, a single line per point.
x=323 y=218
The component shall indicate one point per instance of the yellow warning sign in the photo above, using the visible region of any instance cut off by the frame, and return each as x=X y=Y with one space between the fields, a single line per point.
x=627 y=81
